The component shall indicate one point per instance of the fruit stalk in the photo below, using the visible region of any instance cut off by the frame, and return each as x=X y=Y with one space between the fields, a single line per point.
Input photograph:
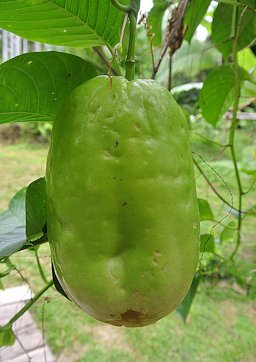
x=132 y=11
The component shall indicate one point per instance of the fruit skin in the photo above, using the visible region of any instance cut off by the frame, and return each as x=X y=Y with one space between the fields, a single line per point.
x=122 y=211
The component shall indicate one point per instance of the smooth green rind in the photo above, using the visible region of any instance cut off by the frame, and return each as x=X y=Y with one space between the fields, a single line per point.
x=123 y=218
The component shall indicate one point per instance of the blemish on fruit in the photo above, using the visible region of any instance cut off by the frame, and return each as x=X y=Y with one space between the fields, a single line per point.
x=132 y=316
x=155 y=261
x=157 y=252
x=137 y=127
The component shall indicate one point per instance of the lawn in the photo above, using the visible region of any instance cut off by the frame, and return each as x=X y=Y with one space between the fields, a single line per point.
x=222 y=320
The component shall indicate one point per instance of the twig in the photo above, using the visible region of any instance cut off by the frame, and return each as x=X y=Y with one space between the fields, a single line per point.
x=233 y=129
x=98 y=52
x=209 y=140
x=28 y=305
x=170 y=73
x=175 y=34
x=218 y=194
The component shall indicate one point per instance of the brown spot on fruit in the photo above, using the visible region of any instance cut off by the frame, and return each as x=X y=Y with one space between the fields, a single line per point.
x=132 y=317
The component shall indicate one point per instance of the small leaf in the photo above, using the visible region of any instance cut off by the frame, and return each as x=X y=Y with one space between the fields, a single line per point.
x=194 y=14
x=12 y=225
x=155 y=18
x=35 y=209
x=185 y=306
x=45 y=79
x=217 y=93
x=207 y=244
x=205 y=210
x=228 y=233
x=223 y=36
x=1 y=285
x=7 y=337
x=57 y=284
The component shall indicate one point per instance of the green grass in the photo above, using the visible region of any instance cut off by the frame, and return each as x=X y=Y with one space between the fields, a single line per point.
x=221 y=324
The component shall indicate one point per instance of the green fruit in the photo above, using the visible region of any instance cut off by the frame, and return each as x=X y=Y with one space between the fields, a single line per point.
x=122 y=210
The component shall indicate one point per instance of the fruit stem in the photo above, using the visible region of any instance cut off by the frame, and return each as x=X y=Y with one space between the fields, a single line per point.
x=132 y=10
x=130 y=61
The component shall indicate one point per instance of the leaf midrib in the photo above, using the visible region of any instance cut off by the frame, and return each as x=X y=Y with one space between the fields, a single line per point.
x=71 y=15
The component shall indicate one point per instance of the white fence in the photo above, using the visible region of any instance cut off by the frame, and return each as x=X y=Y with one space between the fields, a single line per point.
x=13 y=45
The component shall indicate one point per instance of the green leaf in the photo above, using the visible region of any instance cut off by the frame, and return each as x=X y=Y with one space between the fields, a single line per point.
x=1 y=285
x=228 y=233
x=207 y=244
x=247 y=60
x=223 y=35
x=185 y=306
x=205 y=210
x=35 y=209
x=75 y=23
x=7 y=337
x=194 y=14
x=155 y=18
x=12 y=225
x=217 y=93
x=33 y=85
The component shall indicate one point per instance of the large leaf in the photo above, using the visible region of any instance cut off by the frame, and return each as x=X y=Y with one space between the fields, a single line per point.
x=25 y=219
x=185 y=306
x=217 y=93
x=194 y=14
x=223 y=31
x=155 y=18
x=33 y=85
x=12 y=225
x=35 y=209
x=76 y=23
